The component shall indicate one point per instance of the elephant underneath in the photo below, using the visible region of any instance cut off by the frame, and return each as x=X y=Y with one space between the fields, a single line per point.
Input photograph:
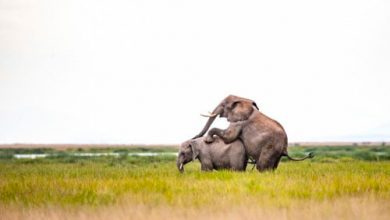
x=213 y=156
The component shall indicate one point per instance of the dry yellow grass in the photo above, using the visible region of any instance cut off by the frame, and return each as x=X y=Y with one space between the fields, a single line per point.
x=366 y=207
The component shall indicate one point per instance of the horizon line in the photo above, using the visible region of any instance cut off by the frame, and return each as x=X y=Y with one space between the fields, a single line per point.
x=293 y=143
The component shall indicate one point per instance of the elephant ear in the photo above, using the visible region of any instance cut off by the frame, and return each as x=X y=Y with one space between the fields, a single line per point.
x=240 y=109
x=195 y=150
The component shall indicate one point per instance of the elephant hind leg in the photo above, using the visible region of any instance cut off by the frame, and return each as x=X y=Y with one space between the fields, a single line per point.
x=268 y=160
x=277 y=162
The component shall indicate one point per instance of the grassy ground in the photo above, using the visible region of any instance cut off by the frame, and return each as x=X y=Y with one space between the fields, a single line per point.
x=340 y=182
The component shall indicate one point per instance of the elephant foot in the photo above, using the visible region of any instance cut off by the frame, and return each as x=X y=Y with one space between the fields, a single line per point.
x=208 y=139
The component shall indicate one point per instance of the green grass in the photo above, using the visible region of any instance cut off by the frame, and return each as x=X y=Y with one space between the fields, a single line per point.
x=331 y=153
x=67 y=181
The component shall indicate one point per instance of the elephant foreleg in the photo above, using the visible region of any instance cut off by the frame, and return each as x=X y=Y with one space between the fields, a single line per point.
x=206 y=165
x=228 y=135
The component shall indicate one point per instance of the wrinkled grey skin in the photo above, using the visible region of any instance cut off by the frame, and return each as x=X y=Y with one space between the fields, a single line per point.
x=265 y=139
x=213 y=156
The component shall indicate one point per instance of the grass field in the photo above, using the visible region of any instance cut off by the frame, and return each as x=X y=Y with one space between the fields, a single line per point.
x=339 y=183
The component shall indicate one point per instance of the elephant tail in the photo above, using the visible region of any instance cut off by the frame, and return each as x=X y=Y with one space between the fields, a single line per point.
x=310 y=155
x=252 y=161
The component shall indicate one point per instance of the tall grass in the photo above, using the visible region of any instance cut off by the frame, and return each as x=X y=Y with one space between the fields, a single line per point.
x=153 y=183
x=102 y=182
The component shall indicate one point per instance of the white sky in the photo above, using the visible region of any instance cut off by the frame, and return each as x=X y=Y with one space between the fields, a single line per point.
x=141 y=71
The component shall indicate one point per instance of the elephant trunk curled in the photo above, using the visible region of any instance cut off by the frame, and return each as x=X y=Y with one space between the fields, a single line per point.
x=217 y=111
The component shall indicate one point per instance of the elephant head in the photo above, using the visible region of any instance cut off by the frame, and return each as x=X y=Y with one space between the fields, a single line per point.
x=233 y=108
x=187 y=153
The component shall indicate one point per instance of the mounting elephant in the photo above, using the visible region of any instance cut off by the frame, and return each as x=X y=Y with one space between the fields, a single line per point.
x=265 y=139
x=216 y=155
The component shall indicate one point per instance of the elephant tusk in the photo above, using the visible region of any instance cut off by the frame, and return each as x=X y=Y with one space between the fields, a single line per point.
x=210 y=115
x=181 y=166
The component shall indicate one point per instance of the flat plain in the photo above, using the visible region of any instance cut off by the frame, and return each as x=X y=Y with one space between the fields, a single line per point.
x=340 y=182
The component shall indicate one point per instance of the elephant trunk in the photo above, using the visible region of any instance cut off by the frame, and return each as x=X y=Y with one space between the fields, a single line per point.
x=217 y=111
x=180 y=164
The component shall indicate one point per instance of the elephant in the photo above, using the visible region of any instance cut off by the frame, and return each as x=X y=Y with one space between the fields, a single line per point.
x=265 y=139
x=216 y=155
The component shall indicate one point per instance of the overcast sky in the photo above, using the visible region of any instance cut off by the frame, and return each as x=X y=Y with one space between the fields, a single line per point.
x=141 y=71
